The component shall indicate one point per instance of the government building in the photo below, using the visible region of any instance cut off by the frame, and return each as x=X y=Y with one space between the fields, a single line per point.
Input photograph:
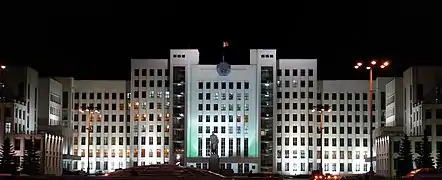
x=261 y=112
x=165 y=113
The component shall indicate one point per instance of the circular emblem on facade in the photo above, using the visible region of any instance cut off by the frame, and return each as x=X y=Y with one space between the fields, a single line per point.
x=223 y=69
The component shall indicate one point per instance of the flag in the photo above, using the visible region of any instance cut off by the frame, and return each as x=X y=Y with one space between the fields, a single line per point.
x=225 y=44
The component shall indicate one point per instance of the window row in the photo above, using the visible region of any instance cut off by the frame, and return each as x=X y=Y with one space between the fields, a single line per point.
x=113 y=118
x=334 y=130
x=326 y=118
x=334 y=142
x=120 y=152
x=242 y=148
x=223 y=107
x=100 y=117
x=323 y=96
x=294 y=72
x=334 y=107
x=151 y=117
x=215 y=129
x=151 y=94
x=231 y=118
x=150 y=105
x=151 y=83
x=100 y=106
x=216 y=96
x=326 y=167
x=429 y=114
x=294 y=83
x=159 y=72
x=113 y=141
x=231 y=85
x=98 y=95
x=140 y=128
x=327 y=154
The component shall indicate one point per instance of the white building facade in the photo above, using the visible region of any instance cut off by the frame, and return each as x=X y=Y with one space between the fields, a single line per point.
x=50 y=101
x=413 y=107
x=149 y=111
x=13 y=119
x=107 y=141
x=260 y=112
x=22 y=85
x=67 y=118
x=48 y=149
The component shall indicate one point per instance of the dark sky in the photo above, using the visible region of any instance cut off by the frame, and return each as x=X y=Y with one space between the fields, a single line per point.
x=94 y=40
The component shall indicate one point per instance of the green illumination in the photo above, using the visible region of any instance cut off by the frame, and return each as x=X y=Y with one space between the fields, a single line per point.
x=192 y=138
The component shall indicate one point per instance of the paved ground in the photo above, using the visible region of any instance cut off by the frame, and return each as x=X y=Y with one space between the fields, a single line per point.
x=154 y=172
x=163 y=172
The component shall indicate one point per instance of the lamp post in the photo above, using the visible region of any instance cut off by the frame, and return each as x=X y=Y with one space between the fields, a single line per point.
x=321 y=109
x=2 y=82
x=89 y=112
x=370 y=66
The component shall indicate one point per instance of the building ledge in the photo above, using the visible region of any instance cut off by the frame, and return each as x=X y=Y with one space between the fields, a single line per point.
x=368 y=159
x=71 y=157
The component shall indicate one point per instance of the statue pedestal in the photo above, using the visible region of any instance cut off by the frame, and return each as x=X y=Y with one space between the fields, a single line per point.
x=214 y=163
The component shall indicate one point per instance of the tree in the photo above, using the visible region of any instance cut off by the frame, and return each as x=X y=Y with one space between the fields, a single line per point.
x=7 y=157
x=31 y=159
x=439 y=160
x=405 y=158
x=424 y=158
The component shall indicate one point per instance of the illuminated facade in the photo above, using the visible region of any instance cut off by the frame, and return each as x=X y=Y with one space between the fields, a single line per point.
x=110 y=135
x=48 y=147
x=13 y=120
x=22 y=85
x=54 y=116
x=261 y=113
x=413 y=107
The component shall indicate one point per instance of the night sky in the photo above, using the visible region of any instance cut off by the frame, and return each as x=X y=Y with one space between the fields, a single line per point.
x=96 y=40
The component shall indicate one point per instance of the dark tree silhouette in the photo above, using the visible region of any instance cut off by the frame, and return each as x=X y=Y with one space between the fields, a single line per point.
x=7 y=157
x=31 y=159
x=405 y=159
x=439 y=160
x=424 y=159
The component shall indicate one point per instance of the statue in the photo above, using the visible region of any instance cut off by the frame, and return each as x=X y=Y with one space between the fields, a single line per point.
x=213 y=143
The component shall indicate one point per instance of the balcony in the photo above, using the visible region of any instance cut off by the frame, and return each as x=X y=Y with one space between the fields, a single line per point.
x=266 y=86
x=178 y=90
x=268 y=136
x=177 y=111
x=266 y=125
x=267 y=161
x=178 y=126
x=266 y=114
x=178 y=104
x=266 y=97
x=266 y=80
x=178 y=135
x=267 y=104
x=179 y=147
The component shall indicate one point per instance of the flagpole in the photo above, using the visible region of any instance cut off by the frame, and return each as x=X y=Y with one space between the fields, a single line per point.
x=225 y=44
x=222 y=52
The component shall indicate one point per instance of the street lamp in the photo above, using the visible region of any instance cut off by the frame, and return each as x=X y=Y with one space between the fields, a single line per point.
x=89 y=112
x=370 y=66
x=321 y=109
